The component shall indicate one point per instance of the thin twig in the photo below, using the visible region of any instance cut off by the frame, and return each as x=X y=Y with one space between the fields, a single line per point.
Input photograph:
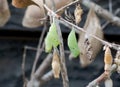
x=110 y=6
x=48 y=76
x=62 y=57
x=116 y=12
x=38 y=53
x=37 y=83
x=67 y=5
x=63 y=21
x=102 y=12
x=102 y=77
x=40 y=71
x=23 y=67
x=62 y=54
x=35 y=49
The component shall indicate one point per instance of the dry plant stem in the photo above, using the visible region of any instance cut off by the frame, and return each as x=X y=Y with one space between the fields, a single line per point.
x=116 y=12
x=40 y=71
x=34 y=49
x=38 y=53
x=102 y=12
x=62 y=57
x=45 y=78
x=23 y=67
x=102 y=77
x=67 y=5
x=48 y=76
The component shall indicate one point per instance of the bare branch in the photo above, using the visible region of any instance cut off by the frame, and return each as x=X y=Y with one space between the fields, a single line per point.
x=62 y=58
x=23 y=68
x=48 y=76
x=102 y=12
x=116 y=12
x=37 y=83
x=38 y=53
x=102 y=77
x=67 y=5
x=40 y=71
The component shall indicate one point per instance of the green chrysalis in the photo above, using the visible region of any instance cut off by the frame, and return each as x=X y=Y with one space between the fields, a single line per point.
x=53 y=35
x=72 y=44
x=51 y=39
x=48 y=44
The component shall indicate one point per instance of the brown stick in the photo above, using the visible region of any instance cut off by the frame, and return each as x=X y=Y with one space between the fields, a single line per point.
x=102 y=77
x=62 y=57
x=102 y=12
x=39 y=52
x=116 y=12
x=48 y=76
x=37 y=83
x=40 y=71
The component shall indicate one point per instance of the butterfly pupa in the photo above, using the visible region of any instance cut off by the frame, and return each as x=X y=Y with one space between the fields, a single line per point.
x=77 y=13
x=72 y=43
x=108 y=59
x=52 y=39
x=48 y=44
x=54 y=35
x=56 y=64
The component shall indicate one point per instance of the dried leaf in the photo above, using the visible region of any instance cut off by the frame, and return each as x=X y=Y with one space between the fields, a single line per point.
x=32 y=17
x=90 y=46
x=56 y=64
x=34 y=14
x=4 y=12
x=78 y=13
x=22 y=3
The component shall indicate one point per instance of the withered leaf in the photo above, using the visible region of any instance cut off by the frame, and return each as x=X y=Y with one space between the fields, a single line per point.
x=32 y=17
x=4 y=12
x=90 y=46
x=34 y=14
x=22 y=3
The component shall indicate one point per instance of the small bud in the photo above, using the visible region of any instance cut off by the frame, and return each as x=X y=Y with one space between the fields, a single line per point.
x=56 y=64
x=78 y=12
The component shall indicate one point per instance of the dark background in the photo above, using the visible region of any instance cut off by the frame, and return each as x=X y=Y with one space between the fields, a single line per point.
x=13 y=38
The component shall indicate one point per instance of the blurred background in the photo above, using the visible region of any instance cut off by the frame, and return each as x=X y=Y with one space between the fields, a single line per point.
x=13 y=38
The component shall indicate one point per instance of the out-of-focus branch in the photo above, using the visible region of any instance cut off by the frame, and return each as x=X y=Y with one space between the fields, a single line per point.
x=116 y=12
x=37 y=83
x=102 y=77
x=40 y=71
x=48 y=76
x=62 y=57
x=102 y=12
